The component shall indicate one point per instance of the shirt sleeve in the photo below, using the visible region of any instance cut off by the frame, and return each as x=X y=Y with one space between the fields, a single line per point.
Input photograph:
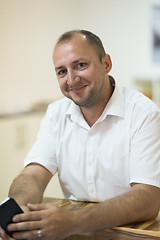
x=43 y=151
x=145 y=150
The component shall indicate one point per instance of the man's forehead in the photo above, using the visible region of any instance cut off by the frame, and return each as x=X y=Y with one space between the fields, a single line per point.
x=76 y=45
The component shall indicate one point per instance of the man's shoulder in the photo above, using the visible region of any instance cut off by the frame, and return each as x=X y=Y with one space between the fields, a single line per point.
x=137 y=100
x=59 y=107
x=63 y=102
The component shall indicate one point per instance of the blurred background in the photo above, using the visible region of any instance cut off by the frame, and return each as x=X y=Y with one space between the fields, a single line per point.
x=129 y=30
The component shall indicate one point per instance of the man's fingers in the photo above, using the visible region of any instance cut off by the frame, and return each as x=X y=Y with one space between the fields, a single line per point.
x=23 y=226
x=26 y=235
x=3 y=235
x=29 y=216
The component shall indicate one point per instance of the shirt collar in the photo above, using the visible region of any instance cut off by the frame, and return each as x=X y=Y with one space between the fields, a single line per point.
x=75 y=114
x=116 y=105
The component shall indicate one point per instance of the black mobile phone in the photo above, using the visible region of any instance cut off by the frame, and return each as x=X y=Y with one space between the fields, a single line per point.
x=8 y=208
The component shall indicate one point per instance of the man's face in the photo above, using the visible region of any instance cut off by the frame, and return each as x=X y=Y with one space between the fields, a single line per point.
x=80 y=72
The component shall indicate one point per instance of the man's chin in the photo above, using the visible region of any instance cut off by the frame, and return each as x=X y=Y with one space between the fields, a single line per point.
x=80 y=103
x=85 y=102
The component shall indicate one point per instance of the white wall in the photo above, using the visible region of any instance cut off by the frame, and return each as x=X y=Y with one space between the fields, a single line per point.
x=29 y=29
x=126 y=29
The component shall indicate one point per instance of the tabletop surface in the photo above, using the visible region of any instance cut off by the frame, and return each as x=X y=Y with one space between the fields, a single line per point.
x=143 y=230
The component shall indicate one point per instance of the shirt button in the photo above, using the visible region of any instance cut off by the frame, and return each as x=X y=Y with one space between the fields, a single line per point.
x=91 y=190
x=90 y=179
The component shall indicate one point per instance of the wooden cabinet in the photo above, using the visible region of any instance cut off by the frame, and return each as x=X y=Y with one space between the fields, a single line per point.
x=17 y=134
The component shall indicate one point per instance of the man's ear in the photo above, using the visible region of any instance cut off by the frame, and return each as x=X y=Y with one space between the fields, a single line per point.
x=108 y=63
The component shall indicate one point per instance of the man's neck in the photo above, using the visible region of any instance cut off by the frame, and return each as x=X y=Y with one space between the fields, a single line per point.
x=92 y=113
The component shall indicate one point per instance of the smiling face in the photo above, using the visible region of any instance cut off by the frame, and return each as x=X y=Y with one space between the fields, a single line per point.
x=82 y=76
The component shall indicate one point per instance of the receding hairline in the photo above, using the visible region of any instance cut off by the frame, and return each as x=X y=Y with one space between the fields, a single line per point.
x=68 y=39
x=91 y=39
x=67 y=36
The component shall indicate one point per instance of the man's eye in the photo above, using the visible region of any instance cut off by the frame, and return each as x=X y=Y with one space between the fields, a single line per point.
x=61 y=73
x=81 y=65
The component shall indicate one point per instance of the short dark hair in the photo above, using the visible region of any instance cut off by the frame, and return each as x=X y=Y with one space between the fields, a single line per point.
x=92 y=39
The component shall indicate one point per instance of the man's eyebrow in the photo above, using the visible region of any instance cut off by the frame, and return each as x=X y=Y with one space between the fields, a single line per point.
x=79 y=59
x=57 y=68
x=76 y=61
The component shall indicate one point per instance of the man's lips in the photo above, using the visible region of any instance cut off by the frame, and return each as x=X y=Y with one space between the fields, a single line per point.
x=77 y=88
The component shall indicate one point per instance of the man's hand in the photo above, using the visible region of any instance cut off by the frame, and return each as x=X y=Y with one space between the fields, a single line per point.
x=3 y=234
x=54 y=222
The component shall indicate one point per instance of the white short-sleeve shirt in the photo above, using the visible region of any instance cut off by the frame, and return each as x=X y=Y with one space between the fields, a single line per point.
x=100 y=162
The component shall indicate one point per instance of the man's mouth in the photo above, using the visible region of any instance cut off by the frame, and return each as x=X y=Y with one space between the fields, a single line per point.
x=77 y=88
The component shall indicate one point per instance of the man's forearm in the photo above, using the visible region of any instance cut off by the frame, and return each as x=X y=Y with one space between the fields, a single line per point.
x=25 y=188
x=29 y=186
x=137 y=205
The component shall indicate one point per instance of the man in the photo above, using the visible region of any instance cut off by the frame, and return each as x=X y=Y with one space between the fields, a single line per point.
x=102 y=139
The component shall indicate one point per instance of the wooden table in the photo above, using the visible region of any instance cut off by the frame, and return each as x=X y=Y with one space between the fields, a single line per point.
x=145 y=230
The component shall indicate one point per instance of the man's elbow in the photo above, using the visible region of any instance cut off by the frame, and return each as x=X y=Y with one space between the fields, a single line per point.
x=150 y=201
x=152 y=212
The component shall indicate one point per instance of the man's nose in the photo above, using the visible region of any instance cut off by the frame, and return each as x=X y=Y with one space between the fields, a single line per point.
x=72 y=77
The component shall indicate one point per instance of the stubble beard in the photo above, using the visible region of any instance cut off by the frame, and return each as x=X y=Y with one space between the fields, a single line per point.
x=86 y=101
x=92 y=98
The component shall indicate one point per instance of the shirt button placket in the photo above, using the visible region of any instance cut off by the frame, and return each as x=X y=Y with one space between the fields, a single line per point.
x=90 y=153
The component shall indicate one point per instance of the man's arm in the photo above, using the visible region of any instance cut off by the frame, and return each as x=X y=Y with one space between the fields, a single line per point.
x=140 y=204
x=28 y=187
x=30 y=184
